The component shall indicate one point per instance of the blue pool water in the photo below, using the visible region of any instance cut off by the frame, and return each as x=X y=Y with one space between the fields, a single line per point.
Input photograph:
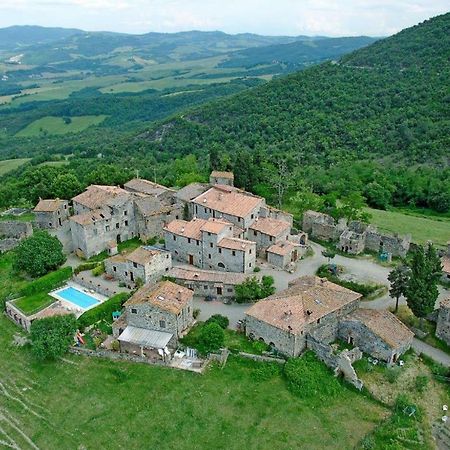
x=77 y=297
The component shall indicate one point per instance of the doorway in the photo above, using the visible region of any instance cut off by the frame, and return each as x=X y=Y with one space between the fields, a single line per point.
x=191 y=259
x=219 y=290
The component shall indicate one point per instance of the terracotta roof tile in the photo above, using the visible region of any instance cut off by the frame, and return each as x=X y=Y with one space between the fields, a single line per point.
x=165 y=295
x=97 y=196
x=236 y=244
x=143 y=255
x=306 y=300
x=49 y=205
x=282 y=249
x=146 y=187
x=191 y=191
x=187 y=229
x=228 y=201
x=385 y=325
x=92 y=217
x=271 y=227
x=182 y=273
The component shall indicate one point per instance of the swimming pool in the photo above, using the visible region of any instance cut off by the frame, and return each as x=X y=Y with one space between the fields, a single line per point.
x=77 y=297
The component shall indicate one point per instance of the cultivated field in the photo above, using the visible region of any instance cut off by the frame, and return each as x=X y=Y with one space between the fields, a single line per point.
x=11 y=164
x=88 y=403
x=422 y=229
x=56 y=125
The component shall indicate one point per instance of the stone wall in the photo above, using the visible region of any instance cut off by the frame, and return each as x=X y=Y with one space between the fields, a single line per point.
x=15 y=229
x=286 y=343
x=443 y=324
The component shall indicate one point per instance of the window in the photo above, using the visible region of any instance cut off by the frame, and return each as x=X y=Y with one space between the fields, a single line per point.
x=189 y=240
x=107 y=228
x=174 y=238
x=230 y=290
x=221 y=265
x=250 y=252
x=126 y=223
x=318 y=320
x=209 y=234
x=233 y=253
x=198 y=242
x=134 y=310
x=126 y=274
x=49 y=224
x=220 y=250
x=239 y=219
x=135 y=265
x=209 y=256
x=271 y=238
x=125 y=213
x=205 y=286
x=162 y=324
x=65 y=206
x=211 y=244
x=117 y=225
x=249 y=264
x=252 y=216
x=114 y=268
x=255 y=232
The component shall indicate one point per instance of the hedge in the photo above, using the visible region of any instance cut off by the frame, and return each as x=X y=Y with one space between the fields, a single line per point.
x=48 y=282
x=86 y=266
x=103 y=311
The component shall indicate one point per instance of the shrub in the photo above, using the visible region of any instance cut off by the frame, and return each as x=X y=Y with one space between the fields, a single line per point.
x=309 y=378
x=257 y=269
x=86 y=266
x=115 y=345
x=48 y=282
x=52 y=336
x=196 y=312
x=392 y=374
x=222 y=321
x=39 y=254
x=266 y=371
x=252 y=289
x=98 y=270
x=211 y=338
x=421 y=383
x=103 y=311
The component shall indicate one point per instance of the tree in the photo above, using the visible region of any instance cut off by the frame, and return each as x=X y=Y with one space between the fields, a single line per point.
x=422 y=291
x=305 y=199
x=377 y=195
x=328 y=253
x=352 y=207
x=66 y=185
x=252 y=289
x=52 y=336
x=39 y=254
x=399 y=279
x=211 y=337
x=220 y=320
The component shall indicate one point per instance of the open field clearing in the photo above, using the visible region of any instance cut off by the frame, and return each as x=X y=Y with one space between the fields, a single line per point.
x=89 y=403
x=56 y=125
x=11 y=164
x=422 y=229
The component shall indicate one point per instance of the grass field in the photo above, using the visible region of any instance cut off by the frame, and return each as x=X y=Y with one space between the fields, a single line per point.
x=89 y=403
x=421 y=228
x=56 y=125
x=11 y=164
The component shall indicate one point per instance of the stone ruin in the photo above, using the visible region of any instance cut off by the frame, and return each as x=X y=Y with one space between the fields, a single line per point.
x=12 y=232
x=354 y=237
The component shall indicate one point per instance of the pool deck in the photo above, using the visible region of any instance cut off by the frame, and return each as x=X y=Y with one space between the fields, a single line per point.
x=77 y=310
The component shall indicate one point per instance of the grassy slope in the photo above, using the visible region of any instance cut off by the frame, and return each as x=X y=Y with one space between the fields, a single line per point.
x=105 y=404
x=56 y=125
x=11 y=164
x=422 y=229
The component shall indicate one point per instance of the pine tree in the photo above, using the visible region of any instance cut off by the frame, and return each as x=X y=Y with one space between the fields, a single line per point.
x=399 y=279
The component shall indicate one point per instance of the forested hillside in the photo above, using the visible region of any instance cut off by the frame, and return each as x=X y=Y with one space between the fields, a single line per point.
x=387 y=104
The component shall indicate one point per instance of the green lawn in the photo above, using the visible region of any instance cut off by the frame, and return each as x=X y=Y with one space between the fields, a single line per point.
x=10 y=282
x=34 y=303
x=57 y=126
x=26 y=217
x=89 y=403
x=421 y=228
x=8 y=165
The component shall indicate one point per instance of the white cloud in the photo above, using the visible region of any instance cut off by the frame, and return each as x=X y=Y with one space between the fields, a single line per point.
x=293 y=17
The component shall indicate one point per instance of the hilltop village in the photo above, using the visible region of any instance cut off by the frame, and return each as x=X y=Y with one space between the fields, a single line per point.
x=203 y=242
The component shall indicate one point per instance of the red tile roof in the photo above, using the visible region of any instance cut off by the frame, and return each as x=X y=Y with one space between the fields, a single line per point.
x=271 y=227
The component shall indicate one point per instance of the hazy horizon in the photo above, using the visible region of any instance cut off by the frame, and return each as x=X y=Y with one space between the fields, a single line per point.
x=286 y=17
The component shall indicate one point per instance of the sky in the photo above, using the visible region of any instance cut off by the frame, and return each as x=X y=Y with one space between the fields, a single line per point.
x=269 y=17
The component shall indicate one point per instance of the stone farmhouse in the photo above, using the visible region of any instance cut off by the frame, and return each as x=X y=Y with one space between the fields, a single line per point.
x=51 y=214
x=208 y=283
x=223 y=178
x=355 y=237
x=154 y=318
x=147 y=264
x=443 y=321
x=210 y=244
x=313 y=312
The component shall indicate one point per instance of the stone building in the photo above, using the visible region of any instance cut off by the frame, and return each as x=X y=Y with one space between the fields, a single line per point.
x=285 y=253
x=51 y=214
x=154 y=318
x=445 y=260
x=313 y=313
x=208 y=283
x=210 y=244
x=443 y=321
x=355 y=237
x=149 y=189
x=147 y=264
x=228 y=203
x=266 y=232
x=309 y=304
x=12 y=232
x=223 y=178
x=377 y=333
